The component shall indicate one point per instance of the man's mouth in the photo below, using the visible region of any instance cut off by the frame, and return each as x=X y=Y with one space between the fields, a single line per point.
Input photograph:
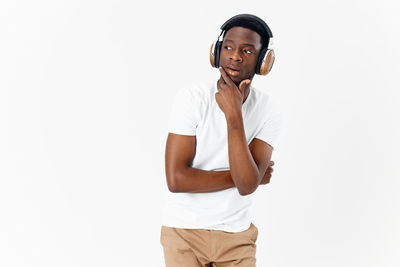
x=233 y=71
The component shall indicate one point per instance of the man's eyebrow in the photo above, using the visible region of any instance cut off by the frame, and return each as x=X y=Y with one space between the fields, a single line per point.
x=227 y=40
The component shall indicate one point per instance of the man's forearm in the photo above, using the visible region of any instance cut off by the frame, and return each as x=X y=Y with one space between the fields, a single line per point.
x=244 y=171
x=200 y=181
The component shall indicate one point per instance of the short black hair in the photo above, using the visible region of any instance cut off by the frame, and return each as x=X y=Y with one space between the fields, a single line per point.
x=251 y=24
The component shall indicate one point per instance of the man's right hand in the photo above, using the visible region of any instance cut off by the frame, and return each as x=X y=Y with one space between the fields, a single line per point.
x=268 y=173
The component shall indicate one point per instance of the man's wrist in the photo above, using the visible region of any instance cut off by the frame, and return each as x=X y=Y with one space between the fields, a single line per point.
x=234 y=119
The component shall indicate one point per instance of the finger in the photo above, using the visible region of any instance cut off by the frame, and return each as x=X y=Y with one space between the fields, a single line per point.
x=271 y=163
x=221 y=85
x=244 y=84
x=222 y=77
x=269 y=171
x=225 y=77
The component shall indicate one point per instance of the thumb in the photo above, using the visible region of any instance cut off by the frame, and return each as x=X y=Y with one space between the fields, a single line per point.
x=243 y=84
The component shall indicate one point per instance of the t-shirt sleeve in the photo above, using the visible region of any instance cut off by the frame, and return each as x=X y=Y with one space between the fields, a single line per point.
x=184 y=114
x=272 y=125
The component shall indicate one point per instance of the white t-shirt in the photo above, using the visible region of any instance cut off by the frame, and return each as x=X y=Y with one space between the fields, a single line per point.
x=196 y=112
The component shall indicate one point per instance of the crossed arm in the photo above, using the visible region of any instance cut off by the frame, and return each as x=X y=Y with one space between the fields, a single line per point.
x=181 y=177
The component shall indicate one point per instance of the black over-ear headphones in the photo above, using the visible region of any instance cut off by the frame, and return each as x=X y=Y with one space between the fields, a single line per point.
x=267 y=55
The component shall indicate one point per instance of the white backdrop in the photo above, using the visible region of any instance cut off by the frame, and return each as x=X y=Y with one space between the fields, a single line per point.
x=85 y=91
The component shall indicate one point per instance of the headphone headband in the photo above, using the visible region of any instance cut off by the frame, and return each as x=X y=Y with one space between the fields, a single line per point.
x=248 y=16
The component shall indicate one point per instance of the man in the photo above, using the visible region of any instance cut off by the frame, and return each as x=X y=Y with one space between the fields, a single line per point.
x=218 y=151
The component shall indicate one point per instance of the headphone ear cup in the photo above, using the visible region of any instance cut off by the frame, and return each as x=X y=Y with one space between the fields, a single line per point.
x=217 y=53
x=212 y=55
x=265 y=62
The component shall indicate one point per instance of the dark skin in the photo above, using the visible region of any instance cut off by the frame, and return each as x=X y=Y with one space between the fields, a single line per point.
x=250 y=165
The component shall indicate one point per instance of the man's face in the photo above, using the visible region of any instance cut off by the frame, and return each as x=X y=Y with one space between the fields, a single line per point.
x=239 y=53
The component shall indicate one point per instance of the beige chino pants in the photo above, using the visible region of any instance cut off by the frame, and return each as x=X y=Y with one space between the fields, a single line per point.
x=205 y=248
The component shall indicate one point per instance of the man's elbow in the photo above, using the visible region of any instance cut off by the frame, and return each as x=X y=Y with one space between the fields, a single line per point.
x=246 y=186
x=244 y=191
x=173 y=182
x=172 y=185
x=172 y=188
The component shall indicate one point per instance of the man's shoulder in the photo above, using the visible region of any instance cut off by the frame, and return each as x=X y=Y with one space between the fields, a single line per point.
x=259 y=99
x=260 y=95
x=265 y=101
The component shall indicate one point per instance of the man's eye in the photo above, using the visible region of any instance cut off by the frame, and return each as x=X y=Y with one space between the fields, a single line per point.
x=248 y=51
x=228 y=47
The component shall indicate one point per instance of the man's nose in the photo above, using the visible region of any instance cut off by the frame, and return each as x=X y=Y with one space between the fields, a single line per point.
x=235 y=55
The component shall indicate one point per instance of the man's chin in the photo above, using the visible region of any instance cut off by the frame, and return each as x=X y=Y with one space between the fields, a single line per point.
x=236 y=80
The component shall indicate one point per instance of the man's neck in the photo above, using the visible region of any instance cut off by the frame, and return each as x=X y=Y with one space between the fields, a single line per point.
x=246 y=92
